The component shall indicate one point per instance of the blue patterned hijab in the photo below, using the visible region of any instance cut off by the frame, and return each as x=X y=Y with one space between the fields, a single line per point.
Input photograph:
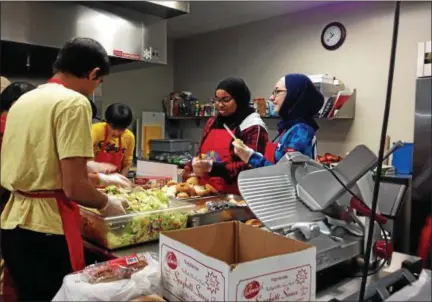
x=302 y=102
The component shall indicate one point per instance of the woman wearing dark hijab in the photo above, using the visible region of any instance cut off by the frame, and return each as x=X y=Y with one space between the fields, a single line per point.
x=297 y=101
x=221 y=166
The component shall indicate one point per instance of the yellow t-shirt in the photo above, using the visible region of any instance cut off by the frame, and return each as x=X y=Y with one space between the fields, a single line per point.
x=44 y=126
x=127 y=140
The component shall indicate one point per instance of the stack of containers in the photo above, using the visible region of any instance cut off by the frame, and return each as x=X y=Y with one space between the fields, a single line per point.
x=174 y=151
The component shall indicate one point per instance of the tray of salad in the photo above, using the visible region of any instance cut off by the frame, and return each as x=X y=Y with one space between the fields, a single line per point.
x=148 y=212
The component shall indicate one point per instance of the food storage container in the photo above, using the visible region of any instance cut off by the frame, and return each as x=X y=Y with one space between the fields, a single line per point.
x=130 y=229
x=170 y=145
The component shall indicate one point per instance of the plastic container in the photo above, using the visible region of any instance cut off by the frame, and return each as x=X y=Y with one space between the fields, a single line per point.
x=131 y=229
x=402 y=159
x=170 y=145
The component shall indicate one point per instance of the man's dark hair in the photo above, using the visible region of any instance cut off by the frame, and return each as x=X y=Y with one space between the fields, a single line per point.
x=119 y=116
x=80 y=56
x=12 y=93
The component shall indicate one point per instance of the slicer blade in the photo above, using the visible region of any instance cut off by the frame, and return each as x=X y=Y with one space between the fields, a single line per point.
x=270 y=193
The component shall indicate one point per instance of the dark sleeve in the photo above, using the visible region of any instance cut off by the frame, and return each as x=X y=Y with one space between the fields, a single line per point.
x=254 y=137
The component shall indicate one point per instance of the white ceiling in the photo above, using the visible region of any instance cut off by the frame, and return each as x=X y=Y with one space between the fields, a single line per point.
x=208 y=16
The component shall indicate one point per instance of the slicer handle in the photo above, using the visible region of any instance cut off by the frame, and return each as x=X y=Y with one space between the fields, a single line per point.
x=360 y=207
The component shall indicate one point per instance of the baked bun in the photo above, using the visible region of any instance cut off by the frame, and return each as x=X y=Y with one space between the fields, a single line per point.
x=171 y=183
x=192 y=181
x=192 y=191
x=201 y=191
x=254 y=222
x=182 y=195
x=211 y=189
x=182 y=188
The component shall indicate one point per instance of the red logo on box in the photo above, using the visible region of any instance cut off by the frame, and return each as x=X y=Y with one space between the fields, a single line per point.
x=251 y=290
x=171 y=260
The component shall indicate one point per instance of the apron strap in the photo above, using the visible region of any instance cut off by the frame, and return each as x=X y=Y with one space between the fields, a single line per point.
x=70 y=217
x=56 y=81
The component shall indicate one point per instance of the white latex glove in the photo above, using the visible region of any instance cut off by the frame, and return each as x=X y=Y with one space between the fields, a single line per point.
x=114 y=179
x=95 y=167
x=201 y=166
x=114 y=207
x=242 y=151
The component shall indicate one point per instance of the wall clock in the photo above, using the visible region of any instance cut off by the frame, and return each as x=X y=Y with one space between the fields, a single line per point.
x=333 y=35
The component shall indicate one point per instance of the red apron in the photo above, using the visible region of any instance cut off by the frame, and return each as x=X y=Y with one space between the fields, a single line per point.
x=271 y=148
x=219 y=142
x=114 y=158
x=70 y=216
x=425 y=241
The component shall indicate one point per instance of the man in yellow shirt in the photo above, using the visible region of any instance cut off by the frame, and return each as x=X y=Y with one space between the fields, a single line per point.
x=112 y=142
x=46 y=146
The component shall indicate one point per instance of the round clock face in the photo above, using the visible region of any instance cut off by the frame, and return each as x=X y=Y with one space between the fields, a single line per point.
x=333 y=36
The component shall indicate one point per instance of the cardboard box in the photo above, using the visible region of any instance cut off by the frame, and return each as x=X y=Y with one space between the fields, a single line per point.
x=235 y=262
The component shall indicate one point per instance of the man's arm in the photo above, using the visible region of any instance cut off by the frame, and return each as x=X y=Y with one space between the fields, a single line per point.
x=77 y=185
x=125 y=170
x=74 y=147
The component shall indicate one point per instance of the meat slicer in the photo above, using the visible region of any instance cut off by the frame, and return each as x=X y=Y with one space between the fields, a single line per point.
x=301 y=199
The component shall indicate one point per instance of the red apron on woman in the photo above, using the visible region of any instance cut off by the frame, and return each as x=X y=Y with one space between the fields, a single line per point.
x=271 y=148
x=114 y=158
x=219 y=142
x=425 y=242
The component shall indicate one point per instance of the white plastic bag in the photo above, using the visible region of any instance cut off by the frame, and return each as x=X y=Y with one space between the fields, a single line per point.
x=144 y=282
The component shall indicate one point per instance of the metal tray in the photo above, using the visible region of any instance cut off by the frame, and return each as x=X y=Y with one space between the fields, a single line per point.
x=238 y=214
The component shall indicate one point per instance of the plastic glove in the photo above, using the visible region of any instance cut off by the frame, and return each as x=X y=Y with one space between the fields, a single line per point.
x=95 y=167
x=114 y=207
x=242 y=151
x=114 y=179
x=201 y=166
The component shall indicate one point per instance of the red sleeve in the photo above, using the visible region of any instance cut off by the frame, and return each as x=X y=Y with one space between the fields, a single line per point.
x=256 y=138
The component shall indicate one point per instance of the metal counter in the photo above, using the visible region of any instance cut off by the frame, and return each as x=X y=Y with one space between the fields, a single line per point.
x=347 y=287
x=340 y=289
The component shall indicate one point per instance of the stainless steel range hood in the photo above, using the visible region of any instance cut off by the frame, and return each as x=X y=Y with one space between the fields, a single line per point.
x=129 y=31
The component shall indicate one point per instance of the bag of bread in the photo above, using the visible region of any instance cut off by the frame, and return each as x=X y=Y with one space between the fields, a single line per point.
x=122 y=279
x=117 y=269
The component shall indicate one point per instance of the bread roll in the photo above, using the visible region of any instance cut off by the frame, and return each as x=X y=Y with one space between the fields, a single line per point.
x=171 y=183
x=182 y=188
x=193 y=181
x=182 y=195
x=201 y=191
x=211 y=189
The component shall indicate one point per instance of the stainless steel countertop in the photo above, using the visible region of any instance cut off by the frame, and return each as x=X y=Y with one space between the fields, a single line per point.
x=348 y=287
x=340 y=290
x=152 y=247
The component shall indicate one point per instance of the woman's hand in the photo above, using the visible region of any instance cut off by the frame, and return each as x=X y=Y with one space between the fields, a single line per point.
x=114 y=179
x=95 y=167
x=242 y=151
x=201 y=166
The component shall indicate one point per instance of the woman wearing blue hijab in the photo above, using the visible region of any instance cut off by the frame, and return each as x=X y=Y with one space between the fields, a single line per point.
x=297 y=101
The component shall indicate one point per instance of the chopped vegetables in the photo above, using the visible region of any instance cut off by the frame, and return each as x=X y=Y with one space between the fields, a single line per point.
x=161 y=216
